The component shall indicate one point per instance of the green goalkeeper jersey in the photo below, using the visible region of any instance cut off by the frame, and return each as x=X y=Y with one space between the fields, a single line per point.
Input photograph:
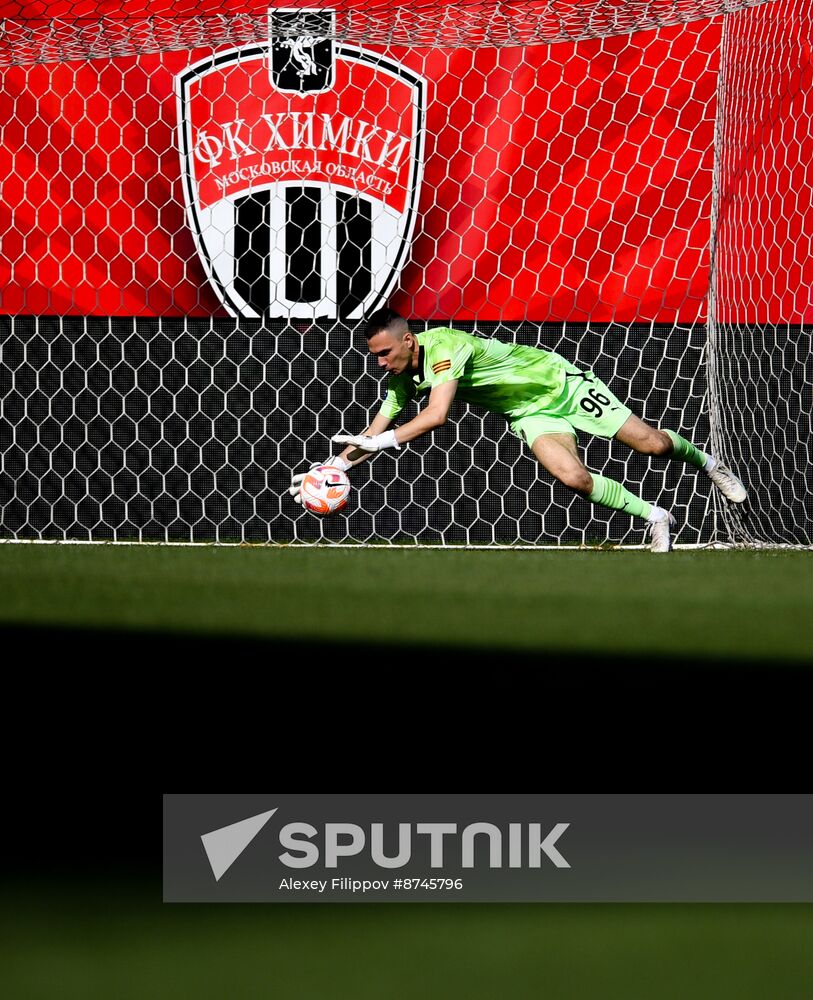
x=504 y=378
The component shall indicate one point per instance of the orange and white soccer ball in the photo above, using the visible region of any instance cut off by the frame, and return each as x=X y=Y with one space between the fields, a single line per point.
x=325 y=489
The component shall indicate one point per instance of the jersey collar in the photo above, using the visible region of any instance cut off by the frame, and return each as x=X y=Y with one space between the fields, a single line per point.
x=421 y=356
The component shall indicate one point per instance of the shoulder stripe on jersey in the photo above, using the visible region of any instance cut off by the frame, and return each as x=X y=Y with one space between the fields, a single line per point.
x=441 y=366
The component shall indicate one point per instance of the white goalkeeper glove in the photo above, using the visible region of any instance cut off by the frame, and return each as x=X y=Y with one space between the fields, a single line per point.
x=368 y=442
x=296 y=481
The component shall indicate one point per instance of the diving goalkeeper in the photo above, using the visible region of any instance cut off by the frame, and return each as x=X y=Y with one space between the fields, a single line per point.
x=545 y=398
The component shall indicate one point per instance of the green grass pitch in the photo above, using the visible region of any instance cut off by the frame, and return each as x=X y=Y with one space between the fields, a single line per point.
x=731 y=604
x=122 y=943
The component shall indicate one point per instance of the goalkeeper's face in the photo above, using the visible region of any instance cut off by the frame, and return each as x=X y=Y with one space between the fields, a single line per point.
x=395 y=353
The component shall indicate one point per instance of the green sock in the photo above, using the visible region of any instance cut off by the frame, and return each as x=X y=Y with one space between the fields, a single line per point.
x=609 y=493
x=681 y=448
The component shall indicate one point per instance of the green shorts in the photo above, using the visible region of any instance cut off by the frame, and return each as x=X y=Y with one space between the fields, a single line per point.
x=585 y=404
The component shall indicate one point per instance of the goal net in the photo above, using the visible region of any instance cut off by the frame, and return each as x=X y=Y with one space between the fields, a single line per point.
x=202 y=201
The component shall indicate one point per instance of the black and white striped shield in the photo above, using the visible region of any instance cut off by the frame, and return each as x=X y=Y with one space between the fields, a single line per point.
x=302 y=161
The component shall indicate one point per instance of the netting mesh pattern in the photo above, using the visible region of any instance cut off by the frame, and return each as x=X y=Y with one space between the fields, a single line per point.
x=90 y=29
x=764 y=388
x=761 y=334
x=181 y=298
x=189 y=430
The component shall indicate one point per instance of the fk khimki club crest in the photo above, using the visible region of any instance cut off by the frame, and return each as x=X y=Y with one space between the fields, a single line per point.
x=302 y=161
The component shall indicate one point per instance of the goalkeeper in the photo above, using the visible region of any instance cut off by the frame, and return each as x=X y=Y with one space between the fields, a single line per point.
x=545 y=398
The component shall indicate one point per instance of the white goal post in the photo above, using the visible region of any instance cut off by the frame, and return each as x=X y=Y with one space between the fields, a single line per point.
x=199 y=210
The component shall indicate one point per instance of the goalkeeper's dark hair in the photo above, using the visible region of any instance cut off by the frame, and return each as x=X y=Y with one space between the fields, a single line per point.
x=385 y=319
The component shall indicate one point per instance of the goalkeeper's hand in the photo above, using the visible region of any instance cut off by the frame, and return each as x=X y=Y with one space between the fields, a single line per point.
x=295 y=489
x=368 y=442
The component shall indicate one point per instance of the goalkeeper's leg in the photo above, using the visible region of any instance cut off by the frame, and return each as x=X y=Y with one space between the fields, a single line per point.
x=650 y=441
x=557 y=453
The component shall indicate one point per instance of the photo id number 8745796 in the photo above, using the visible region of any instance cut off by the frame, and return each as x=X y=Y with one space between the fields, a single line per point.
x=428 y=883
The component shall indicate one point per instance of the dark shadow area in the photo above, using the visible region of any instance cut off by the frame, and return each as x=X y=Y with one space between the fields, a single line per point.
x=123 y=711
x=557 y=669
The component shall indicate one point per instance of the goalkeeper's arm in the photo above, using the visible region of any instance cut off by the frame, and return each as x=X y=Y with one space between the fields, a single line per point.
x=352 y=455
x=377 y=437
x=344 y=460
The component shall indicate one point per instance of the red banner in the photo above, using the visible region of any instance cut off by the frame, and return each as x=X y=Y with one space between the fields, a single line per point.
x=564 y=182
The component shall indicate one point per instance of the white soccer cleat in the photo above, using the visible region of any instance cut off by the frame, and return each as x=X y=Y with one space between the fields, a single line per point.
x=727 y=483
x=661 y=530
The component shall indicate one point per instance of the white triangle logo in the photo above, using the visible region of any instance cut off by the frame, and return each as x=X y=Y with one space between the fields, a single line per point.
x=224 y=846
